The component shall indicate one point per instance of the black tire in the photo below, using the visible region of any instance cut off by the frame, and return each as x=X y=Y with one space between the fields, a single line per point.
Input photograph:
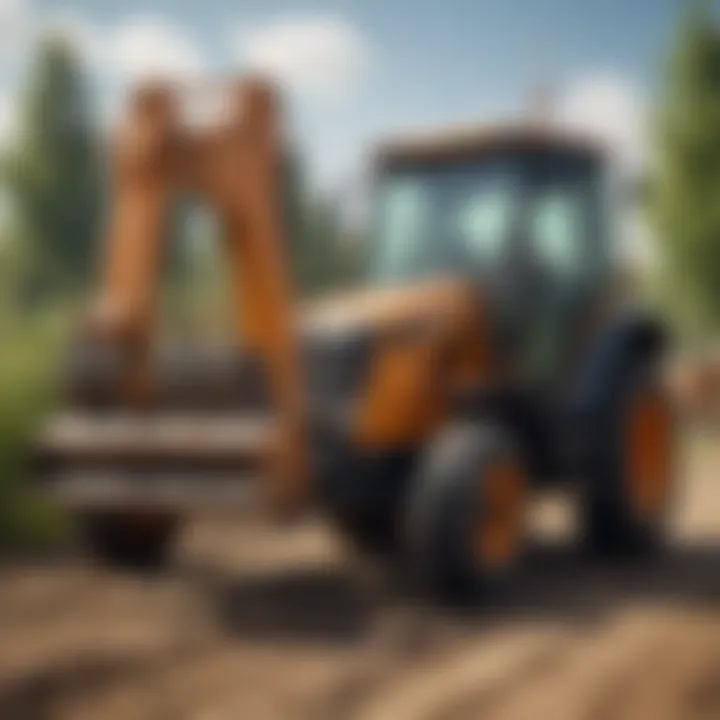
x=614 y=524
x=447 y=505
x=128 y=541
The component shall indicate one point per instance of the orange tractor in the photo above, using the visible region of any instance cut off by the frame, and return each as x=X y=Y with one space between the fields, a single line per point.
x=485 y=355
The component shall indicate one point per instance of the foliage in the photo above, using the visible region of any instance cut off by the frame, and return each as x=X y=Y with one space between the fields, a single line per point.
x=684 y=208
x=27 y=386
x=196 y=294
x=322 y=255
x=51 y=176
x=54 y=174
x=54 y=177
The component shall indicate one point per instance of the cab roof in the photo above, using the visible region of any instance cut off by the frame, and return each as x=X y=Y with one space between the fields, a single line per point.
x=471 y=141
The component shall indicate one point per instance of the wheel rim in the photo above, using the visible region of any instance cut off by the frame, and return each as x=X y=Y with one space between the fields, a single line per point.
x=499 y=527
x=649 y=440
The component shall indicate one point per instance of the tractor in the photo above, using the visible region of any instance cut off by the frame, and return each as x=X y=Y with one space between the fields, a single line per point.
x=488 y=352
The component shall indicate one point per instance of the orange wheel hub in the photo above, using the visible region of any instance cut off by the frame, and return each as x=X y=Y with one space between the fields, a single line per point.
x=500 y=522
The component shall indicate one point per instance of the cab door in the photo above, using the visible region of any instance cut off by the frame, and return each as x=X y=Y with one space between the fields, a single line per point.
x=565 y=254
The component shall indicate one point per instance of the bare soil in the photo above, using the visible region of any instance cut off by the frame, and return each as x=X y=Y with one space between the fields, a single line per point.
x=255 y=623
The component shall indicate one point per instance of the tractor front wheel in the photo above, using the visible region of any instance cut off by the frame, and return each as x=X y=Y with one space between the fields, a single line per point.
x=466 y=513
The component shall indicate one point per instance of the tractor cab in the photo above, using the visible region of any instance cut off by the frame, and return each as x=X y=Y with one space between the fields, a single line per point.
x=517 y=213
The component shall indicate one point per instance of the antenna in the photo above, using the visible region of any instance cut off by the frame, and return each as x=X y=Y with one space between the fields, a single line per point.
x=541 y=102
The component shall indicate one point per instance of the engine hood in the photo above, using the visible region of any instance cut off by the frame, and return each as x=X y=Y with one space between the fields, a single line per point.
x=349 y=337
x=379 y=309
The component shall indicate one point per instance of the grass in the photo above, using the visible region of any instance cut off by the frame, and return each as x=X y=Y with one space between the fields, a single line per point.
x=31 y=345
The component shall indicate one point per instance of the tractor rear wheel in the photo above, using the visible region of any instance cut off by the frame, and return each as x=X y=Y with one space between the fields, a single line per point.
x=630 y=466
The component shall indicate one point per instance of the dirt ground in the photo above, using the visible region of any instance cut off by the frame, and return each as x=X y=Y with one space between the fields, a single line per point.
x=252 y=623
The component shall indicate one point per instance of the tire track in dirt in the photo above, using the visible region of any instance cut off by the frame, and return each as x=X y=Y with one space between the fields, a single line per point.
x=41 y=693
x=133 y=649
x=482 y=672
x=681 y=679
x=596 y=668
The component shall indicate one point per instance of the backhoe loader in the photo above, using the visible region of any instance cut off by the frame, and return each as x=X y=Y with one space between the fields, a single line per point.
x=487 y=353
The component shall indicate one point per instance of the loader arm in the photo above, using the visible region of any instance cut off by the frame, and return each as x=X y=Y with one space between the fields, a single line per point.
x=236 y=168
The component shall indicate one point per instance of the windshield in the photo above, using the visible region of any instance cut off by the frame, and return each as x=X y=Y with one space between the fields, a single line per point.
x=444 y=219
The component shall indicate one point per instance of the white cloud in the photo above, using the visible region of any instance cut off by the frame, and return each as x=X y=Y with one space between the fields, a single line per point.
x=138 y=48
x=11 y=10
x=14 y=19
x=151 y=48
x=609 y=107
x=317 y=56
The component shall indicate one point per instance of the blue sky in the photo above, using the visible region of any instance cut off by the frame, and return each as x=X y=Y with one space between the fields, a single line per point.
x=358 y=68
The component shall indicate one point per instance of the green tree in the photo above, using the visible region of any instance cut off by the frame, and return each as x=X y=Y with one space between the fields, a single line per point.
x=685 y=189
x=321 y=255
x=54 y=171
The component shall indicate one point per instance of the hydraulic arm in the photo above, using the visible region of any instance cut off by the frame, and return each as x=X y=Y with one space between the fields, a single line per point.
x=236 y=168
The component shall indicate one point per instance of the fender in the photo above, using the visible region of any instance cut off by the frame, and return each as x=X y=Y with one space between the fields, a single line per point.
x=633 y=336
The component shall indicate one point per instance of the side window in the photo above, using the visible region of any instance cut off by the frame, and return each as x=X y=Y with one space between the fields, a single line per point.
x=405 y=214
x=558 y=232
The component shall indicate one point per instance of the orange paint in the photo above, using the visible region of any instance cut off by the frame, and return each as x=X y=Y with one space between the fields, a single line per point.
x=501 y=515
x=649 y=450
